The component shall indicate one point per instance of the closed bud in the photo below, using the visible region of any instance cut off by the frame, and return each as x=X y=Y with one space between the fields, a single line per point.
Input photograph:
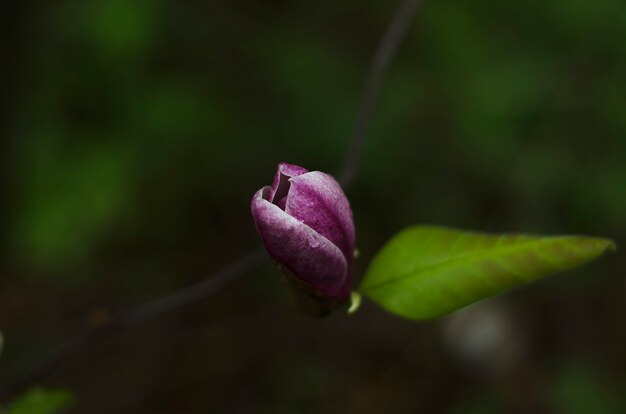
x=305 y=222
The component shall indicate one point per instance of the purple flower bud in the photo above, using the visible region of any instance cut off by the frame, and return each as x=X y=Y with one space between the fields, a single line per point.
x=305 y=222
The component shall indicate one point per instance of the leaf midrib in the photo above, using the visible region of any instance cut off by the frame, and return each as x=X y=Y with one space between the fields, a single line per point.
x=469 y=256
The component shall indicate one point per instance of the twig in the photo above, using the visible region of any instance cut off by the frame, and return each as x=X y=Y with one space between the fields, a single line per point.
x=212 y=284
x=385 y=53
x=194 y=293
x=133 y=316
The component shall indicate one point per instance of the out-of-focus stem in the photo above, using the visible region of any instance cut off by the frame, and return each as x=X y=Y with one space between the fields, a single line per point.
x=387 y=48
x=386 y=51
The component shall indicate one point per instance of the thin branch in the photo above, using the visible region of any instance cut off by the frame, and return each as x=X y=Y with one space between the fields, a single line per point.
x=212 y=284
x=133 y=316
x=194 y=293
x=397 y=30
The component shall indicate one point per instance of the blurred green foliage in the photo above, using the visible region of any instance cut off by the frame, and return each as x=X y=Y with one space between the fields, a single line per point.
x=42 y=401
x=581 y=390
x=499 y=87
x=577 y=389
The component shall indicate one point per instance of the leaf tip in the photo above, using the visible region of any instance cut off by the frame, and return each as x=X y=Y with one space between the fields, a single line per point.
x=605 y=245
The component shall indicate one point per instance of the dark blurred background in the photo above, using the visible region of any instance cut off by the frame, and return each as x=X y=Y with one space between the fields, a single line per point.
x=134 y=133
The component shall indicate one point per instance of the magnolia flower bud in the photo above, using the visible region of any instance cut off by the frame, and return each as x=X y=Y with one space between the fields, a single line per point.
x=305 y=222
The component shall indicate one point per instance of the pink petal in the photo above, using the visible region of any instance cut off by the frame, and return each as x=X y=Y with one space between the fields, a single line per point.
x=308 y=254
x=316 y=199
x=280 y=186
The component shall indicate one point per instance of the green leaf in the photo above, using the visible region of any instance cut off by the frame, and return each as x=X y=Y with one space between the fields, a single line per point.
x=42 y=401
x=425 y=271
